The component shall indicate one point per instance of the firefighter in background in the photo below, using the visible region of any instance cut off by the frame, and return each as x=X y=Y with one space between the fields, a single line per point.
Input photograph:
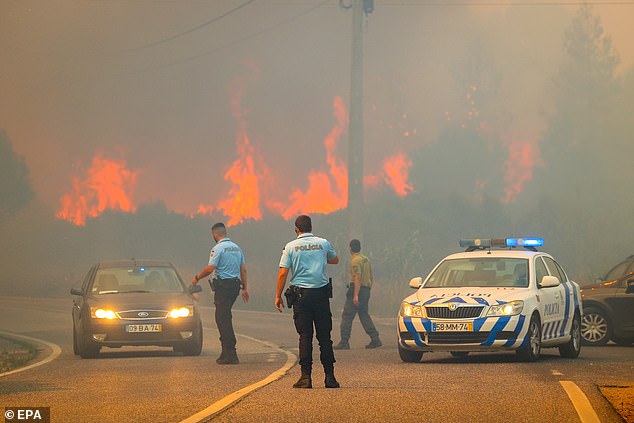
x=358 y=298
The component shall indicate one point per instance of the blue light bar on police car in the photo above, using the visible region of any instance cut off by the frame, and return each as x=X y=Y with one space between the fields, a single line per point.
x=526 y=242
x=501 y=242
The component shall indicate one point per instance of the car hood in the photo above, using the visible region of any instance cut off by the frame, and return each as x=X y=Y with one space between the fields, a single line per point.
x=600 y=285
x=482 y=296
x=138 y=300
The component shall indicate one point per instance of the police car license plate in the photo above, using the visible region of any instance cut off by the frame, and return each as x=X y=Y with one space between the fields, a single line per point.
x=157 y=327
x=452 y=327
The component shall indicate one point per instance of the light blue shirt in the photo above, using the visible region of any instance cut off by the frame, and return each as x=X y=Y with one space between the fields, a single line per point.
x=226 y=257
x=306 y=257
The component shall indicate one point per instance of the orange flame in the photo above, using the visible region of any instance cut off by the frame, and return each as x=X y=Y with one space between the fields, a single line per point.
x=523 y=157
x=243 y=199
x=396 y=170
x=327 y=191
x=108 y=185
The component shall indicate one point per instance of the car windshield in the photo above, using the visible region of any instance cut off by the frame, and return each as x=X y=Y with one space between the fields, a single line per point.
x=142 y=279
x=480 y=271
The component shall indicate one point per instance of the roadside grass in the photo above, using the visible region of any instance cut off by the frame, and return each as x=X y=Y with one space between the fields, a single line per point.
x=15 y=353
x=622 y=399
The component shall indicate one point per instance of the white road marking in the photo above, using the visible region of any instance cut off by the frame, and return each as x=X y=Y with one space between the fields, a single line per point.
x=580 y=401
x=556 y=373
x=55 y=352
x=230 y=399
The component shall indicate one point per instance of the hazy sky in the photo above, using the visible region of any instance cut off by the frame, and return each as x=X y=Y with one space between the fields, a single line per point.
x=159 y=83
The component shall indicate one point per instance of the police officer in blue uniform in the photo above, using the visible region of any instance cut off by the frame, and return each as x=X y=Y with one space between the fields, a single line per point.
x=226 y=262
x=306 y=258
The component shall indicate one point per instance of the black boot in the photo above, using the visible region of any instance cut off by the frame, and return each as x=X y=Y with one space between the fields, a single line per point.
x=375 y=343
x=304 y=381
x=228 y=357
x=342 y=345
x=330 y=381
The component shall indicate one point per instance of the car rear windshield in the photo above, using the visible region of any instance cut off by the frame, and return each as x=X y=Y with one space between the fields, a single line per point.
x=141 y=279
x=483 y=272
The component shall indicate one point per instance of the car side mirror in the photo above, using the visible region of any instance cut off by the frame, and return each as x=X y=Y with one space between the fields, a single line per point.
x=195 y=289
x=630 y=287
x=549 y=282
x=75 y=291
x=415 y=282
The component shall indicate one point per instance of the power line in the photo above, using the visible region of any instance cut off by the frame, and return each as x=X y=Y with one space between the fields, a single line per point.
x=235 y=42
x=196 y=28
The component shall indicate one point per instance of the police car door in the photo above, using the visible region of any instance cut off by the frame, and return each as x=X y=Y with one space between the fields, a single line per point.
x=554 y=302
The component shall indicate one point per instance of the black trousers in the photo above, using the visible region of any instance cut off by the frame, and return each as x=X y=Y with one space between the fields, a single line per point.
x=225 y=295
x=313 y=310
x=350 y=310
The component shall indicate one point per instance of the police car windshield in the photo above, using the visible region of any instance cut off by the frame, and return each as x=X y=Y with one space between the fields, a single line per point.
x=480 y=271
x=145 y=279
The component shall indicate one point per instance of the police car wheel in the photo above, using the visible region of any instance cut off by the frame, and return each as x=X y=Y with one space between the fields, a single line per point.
x=409 y=356
x=595 y=327
x=460 y=354
x=533 y=346
x=572 y=348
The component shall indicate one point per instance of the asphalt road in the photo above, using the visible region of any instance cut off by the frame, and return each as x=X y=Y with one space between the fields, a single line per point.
x=156 y=385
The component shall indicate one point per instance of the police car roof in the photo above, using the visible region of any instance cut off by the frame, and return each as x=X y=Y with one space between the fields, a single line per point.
x=501 y=253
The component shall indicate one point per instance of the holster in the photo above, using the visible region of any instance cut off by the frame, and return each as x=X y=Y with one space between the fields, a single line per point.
x=291 y=296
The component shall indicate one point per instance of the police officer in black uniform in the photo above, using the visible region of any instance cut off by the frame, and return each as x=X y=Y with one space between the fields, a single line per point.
x=306 y=258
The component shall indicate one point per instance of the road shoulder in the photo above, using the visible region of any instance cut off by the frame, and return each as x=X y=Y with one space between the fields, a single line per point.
x=621 y=396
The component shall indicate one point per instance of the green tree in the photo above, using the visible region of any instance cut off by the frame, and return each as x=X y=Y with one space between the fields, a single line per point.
x=585 y=198
x=15 y=186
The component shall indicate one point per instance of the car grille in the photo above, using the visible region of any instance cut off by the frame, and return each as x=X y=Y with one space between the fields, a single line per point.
x=466 y=337
x=467 y=312
x=142 y=314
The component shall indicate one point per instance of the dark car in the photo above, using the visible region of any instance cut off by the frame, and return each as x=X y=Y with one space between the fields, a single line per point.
x=135 y=302
x=608 y=307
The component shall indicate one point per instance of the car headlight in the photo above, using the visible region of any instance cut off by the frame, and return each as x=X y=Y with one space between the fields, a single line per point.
x=509 y=309
x=187 y=311
x=102 y=313
x=410 y=310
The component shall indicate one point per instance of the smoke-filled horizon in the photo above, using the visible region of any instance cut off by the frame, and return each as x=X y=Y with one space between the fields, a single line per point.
x=128 y=127
x=183 y=104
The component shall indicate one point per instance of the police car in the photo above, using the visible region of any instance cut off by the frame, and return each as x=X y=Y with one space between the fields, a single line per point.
x=500 y=294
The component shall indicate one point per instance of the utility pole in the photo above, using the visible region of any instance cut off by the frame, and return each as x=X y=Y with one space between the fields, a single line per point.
x=360 y=8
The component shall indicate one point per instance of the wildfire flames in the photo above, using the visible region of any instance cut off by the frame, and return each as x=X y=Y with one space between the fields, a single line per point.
x=523 y=157
x=396 y=170
x=327 y=190
x=108 y=185
x=243 y=199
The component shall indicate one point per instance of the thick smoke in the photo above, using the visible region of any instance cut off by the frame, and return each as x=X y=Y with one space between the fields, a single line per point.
x=479 y=121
